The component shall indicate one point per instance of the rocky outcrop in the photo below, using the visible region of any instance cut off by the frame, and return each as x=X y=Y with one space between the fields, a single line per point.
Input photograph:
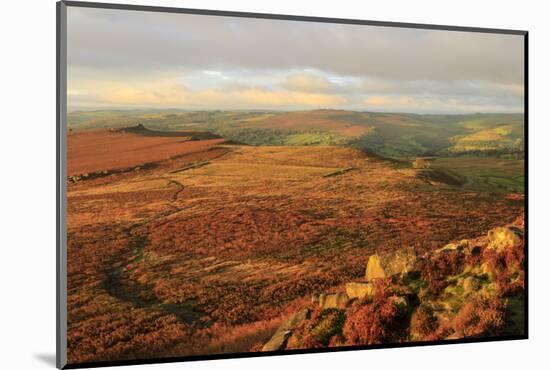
x=330 y=300
x=467 y=288
x=374 y=269
x=380 y=266
x=333 y=300
x=461 y=245
x=502 y=238
x=359 y=290
x=104 y=173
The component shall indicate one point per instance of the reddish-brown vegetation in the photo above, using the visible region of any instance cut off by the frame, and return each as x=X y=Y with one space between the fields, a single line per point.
x=435 y=270
x=382 y=321
x=182 y=260
x=99 y=150
x=424 y=324
x=436 y=297
x=480 y=316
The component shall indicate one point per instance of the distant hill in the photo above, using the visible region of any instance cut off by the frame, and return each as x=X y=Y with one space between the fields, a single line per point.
x=397 y=135
x=96 y=153
x=140 y=129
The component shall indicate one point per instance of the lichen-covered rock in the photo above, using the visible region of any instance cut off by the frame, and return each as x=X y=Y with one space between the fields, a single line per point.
x=359 y=290
x=461 y=245
x=501 y=238
x=385 y=265
x=374 y=269
x=335 y=300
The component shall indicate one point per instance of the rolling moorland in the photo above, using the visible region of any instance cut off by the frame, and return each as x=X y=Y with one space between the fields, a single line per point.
x=212 y=232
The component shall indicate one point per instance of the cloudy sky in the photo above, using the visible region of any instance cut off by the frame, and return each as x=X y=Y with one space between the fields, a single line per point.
x=155 y=60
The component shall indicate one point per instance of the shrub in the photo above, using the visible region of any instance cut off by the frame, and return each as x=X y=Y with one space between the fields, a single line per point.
x=381 y=321
x=483 y=315
x=440 y=266
x=324 y=325
x=509 y=284
x=423 y=324
x=514 y=257
x=508 y=267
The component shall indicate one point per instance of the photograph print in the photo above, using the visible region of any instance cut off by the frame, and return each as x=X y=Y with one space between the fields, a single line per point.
x=240 y=185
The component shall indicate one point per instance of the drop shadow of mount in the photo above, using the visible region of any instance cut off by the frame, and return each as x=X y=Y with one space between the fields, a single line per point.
x=46 y=358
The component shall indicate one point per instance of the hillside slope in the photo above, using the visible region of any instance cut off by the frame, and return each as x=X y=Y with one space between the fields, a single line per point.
x=93 y=152
x=388 y=134
x=206 y=252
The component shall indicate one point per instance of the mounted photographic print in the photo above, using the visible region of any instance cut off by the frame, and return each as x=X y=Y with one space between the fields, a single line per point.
x=237 y=184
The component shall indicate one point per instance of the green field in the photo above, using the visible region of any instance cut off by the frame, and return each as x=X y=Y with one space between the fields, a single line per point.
x=388 y=134
x=486 y=173
x=481 y=151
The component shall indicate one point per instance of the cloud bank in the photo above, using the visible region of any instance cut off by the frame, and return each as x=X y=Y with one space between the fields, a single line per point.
x=142 y=59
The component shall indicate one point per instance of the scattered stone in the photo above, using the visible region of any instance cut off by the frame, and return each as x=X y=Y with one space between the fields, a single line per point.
x=501 y=238
x=335 y=300
x=279 y=340
x=447 y=248
x=296 y=319
x=359 y=290
x=461 y=245
x=382 y=266
x=374 y=269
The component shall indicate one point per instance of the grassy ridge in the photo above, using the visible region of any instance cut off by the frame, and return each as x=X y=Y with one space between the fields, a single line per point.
x=486 y=150
x=388 y=134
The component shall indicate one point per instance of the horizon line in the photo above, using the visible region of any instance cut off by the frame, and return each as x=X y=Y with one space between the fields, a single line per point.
x=97 y=109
